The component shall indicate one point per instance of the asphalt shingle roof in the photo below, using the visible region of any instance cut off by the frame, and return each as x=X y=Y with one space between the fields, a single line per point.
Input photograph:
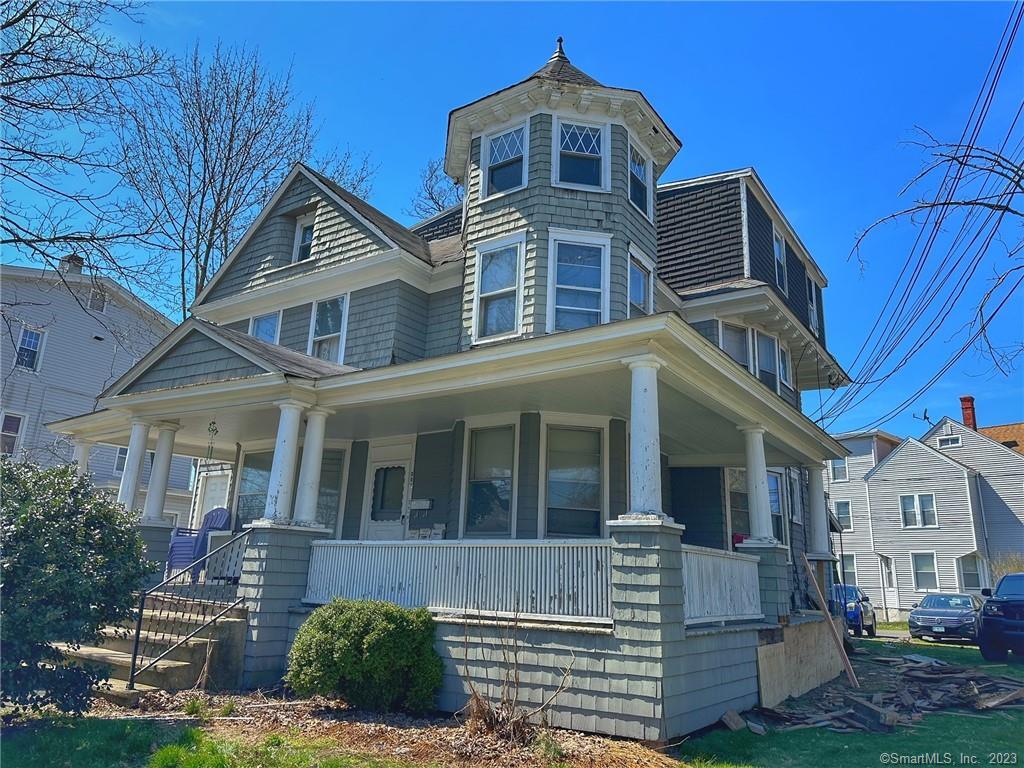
x=559 y=68
x=282 y=358
x=1010 y=435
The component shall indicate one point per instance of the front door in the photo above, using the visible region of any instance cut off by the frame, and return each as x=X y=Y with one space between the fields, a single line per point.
x=388 y=512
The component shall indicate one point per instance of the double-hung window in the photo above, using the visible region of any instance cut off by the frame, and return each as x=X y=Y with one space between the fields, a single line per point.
x=918 y=510
x=490 y=481
x=767 y=361
x=843 y=515
x=303 y=248
x=574 y=487
x=578 y=282
x=498 y=302
x=639 y=180
x=506 y=161
x=736 y=343
x=265 y=327
x=121 y=459
x=582 y=151
x=327 y=340
x=812 y=305
x=838 y=469
x=641 y=283
x=848 y=574
x=970 y=572
x=779 y=248
x=777 y=507
x=785 y=366
x=10 y=432
x=30 y=348
x=97 y=299
x=925 y=573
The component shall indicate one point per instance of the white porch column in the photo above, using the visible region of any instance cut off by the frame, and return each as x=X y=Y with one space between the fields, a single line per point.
x=644 y=439
x=81 y=455
x=282 y=471
x=132 y=473
x=757 y=484
x=156 y=495
x=819 y=515
x=309 y=472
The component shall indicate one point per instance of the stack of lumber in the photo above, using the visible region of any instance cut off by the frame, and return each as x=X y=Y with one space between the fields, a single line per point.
x=924 y=684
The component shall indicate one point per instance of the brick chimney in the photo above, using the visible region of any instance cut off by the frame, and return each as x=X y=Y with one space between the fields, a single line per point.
x=967 y=408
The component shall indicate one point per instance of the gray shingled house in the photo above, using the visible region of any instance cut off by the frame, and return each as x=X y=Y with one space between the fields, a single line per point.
x=571 y=403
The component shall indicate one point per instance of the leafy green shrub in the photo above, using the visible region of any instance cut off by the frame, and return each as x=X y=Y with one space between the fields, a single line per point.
x=373 y=654
x=71 y=560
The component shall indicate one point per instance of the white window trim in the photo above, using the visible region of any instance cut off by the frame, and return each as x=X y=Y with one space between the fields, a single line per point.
x=842 y=570
x=517 y=239
x=342 y=333
x=485 y=165
x=779 y=234
x=39 y=352
x=797 y=476
x=277 y=331
x=117 y=455
x=488 y=422
x=606 y=142
x=917 y=509
x=781 y=351
x=648 y=264
x=812 y=305
x=849 y=505
x=882 y=559
x=721 y=342
x=300 y=223
x=831 y=471
x=913 y=570
x=19 y=437
x=582 y=238
x=982 y=581
x=781 y=473
x=956 y=442
x=649 y=163
x=549 y=419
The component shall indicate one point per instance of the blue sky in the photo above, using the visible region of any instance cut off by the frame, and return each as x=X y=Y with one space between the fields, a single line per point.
x=820 y=98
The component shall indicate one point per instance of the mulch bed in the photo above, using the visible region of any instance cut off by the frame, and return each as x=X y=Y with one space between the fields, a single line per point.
x=435 y=741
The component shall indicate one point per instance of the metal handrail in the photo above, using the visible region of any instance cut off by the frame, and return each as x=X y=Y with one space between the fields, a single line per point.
x=135 y=670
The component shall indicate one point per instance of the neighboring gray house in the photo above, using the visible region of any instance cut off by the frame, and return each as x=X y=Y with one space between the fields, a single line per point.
x=67 y=337
x=523 y=408
x=926 y=515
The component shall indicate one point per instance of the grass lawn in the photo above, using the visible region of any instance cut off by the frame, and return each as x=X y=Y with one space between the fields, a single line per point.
x=97 y=743
x=941 y=732
x=893 y=626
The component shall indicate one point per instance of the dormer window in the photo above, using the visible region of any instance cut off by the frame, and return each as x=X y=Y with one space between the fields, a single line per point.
x=639 y=180
x=780 y=262
x=506 y=161
x=303 y=238
x=582 y=152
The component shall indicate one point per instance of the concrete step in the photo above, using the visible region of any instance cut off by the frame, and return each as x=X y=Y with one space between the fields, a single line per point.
x=154 y=643
x=116 y=692
x=166 y=674
x=183 y=624
x=169 y=603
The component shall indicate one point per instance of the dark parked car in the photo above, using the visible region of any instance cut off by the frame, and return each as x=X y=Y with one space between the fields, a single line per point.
x=945 y=616
x=860 y=614
x=1001 y=628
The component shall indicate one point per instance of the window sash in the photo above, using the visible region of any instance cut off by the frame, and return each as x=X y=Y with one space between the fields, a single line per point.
x=925 y=572
x=970 y=572
x=29 y=345
x=490 y=481
x=591 y=311
x=584 y=144
x=767 y=360
x=849 y=573
x=777 y=507
x=505 y=150
x=98 y=300
x=326 y=343
x=839 y=470
x=265 y=327
x=638 y=183
x=785 y=362
x=949 y=441
x=779 y=248
x=888 y=573
x=574 y=482
x=499 y=292
x=639 y=288
x=915 y=512
x=10 y=431
x=844 y=516
x=812 y=305
x=303 y=239
x=732 y=335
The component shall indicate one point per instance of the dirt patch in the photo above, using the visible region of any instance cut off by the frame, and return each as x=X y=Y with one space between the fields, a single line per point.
x=433 y=740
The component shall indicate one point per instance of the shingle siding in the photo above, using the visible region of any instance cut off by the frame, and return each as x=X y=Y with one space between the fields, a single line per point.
x=444 y=323
x=700 y=235
x=195 y=359
x=337 y=237
x=386 y=325
x=441 y=226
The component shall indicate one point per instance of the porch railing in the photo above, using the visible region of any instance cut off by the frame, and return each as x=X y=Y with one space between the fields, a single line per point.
x=563 y=579
x=720 y=586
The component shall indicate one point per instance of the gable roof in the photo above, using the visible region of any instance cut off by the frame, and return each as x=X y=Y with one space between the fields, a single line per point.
x=998 y=443
x=912 y=441
x=1010 y=435
x=271 y=358
x=386 y=228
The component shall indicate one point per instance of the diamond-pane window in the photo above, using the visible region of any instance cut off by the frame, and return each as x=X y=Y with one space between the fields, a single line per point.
x=505 y=161
x=580 y=155
x=638 y=178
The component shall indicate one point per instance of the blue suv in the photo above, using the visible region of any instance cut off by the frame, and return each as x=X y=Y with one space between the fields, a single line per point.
x=860 y=614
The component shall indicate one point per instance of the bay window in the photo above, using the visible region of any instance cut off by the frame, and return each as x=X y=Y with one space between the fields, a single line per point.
x=490 y=481
x=736 y=343
x=767 y=361
x=327 y=340
x=506 y=163
x=573 y=483
x=641 y=281
x=497 y=308
x=578 y=282
x=639 y=180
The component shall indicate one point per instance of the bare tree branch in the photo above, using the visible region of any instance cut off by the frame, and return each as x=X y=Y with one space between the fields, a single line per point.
x=436 y=192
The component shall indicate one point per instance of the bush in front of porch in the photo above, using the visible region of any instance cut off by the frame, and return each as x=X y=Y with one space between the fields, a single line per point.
x=373 y=654
x=72 y=561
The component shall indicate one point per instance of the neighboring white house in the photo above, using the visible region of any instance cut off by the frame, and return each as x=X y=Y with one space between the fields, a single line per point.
x=926 y=515
x=67 y=336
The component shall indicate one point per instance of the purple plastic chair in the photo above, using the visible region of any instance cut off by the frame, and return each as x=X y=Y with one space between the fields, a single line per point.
x=189 y=544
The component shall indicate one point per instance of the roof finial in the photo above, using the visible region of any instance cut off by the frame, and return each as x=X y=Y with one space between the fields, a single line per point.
x=559 y=53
